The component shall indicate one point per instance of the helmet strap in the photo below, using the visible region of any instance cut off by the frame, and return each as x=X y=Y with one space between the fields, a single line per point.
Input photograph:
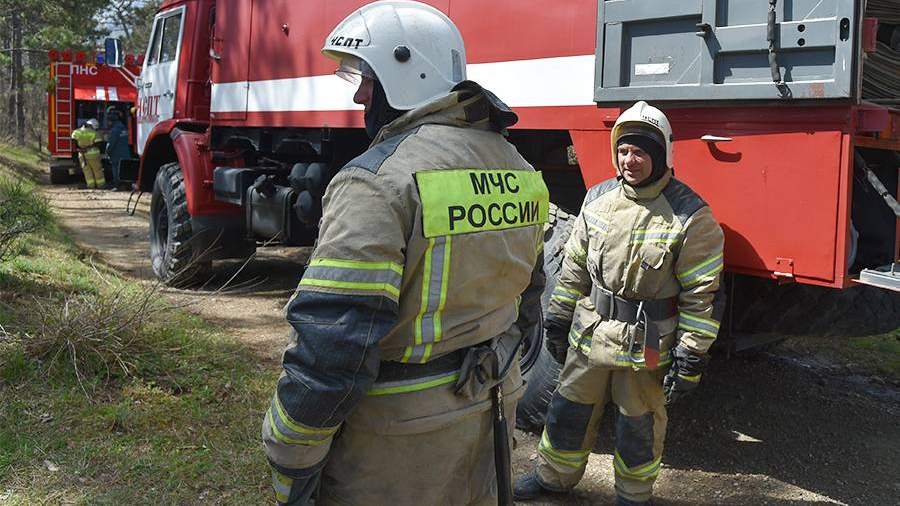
x=380 y=112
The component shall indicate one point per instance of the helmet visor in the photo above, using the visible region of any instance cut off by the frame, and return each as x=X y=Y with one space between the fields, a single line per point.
x=353 y=70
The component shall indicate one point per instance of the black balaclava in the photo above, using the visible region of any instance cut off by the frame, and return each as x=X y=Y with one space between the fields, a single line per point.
x=650 y=143
x=380 y=112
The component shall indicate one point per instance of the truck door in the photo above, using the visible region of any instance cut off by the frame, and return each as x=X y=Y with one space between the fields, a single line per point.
x=720 y=50
x=157 y=85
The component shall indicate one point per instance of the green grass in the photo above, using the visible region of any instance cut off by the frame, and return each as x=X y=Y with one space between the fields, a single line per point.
x=165 y=440
x=871 y=355
x=23 y=161
x=24 y=154
x=180 y=428
x=880 y=352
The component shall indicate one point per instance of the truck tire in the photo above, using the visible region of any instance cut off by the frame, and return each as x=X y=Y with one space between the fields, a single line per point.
x=173 y=259
x=540 y=370
x=59 y=174
x=763 y=307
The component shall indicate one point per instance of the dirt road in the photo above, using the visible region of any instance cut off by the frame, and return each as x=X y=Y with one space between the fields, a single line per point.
x=763 y=430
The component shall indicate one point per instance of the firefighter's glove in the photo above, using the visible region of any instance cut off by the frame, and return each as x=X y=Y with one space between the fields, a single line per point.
x=684 y=374
x=556 y=336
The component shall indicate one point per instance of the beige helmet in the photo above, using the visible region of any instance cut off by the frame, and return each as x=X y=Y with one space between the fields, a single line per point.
x=415 y=51
x=643 y=117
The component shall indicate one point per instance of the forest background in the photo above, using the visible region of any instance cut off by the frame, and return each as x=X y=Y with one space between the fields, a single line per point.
x=29 y=29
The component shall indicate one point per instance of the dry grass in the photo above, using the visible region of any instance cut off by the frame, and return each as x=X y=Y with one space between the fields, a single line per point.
x=108 y=334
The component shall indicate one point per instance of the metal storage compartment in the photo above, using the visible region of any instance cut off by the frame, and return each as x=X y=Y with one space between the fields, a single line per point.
x=687 y=50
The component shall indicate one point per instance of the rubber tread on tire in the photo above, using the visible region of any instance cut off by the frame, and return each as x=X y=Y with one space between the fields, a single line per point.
x=173 y=259
x=543 y=377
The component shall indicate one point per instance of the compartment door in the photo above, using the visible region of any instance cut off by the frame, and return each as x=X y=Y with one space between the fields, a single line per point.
x=694 y=50
x=230 y=53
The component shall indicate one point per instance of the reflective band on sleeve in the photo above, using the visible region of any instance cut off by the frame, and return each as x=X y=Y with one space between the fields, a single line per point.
x=692 y=323
x=646 y=472
x=434 y=297
x=566 y=296
x=580 y=341
x=463 y=201
x=281 y=484
x=705 y=271
x=413 y=385
x=658 y=236
x=376 y=278
x=564 y=300
x=635 y=360
x=289 y=432
x=695 y=378
x=574 y=459
x=578 y=254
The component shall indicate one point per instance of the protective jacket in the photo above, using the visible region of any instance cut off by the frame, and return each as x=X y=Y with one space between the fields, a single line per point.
x=650 y=243
x=117 y=148
x=86 y=138
x=89 y=156
x=427 y=245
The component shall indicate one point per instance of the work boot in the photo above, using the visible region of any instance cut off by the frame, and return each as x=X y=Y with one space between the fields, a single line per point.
x=529 y=486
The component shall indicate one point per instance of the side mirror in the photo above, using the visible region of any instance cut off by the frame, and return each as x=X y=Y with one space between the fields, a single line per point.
x=113 y=54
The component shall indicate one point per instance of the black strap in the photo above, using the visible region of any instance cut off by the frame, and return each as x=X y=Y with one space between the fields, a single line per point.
x=645 y=313
x=399 y=371
x=625 y=310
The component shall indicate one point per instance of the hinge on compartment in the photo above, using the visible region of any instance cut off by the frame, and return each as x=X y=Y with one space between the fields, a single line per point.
x=784 y=270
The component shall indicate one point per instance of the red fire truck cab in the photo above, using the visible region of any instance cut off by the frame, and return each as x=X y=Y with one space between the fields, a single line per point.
x=83 y=88
x=241 y=122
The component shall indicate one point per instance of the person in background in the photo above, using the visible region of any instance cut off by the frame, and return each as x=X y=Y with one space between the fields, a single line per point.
x=117 y=148
x=87 y=138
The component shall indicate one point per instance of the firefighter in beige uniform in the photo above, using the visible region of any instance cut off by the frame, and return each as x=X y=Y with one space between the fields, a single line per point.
x=86 y=138
x=429 y=242
x=633 y=315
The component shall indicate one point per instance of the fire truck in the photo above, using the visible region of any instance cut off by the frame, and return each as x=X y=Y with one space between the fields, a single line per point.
x=241 y=122
x=82 y=88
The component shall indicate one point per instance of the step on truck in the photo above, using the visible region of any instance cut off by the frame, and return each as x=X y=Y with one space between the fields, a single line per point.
x=83 y=87
x=784 y=121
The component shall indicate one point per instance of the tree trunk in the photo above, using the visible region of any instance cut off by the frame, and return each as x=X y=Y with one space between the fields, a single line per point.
x=19 y=80
x=10 y=109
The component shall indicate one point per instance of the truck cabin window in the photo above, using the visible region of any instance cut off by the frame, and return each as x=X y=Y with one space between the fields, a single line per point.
x=169 y=45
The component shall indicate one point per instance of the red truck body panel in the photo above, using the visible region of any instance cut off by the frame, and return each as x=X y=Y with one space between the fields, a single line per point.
x=781 y=187
x=77 y=81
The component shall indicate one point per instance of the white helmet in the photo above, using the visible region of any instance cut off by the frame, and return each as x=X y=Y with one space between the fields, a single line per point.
x=415 y=51
x=92 y=123
x=642 y=117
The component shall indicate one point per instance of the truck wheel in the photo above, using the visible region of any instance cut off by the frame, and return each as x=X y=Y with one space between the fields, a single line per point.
x=764 y=308
x=173 y=259
x=59 y=174
x=539 y=368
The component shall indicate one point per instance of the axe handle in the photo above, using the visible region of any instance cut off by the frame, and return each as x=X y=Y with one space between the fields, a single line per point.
x=501 y=448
